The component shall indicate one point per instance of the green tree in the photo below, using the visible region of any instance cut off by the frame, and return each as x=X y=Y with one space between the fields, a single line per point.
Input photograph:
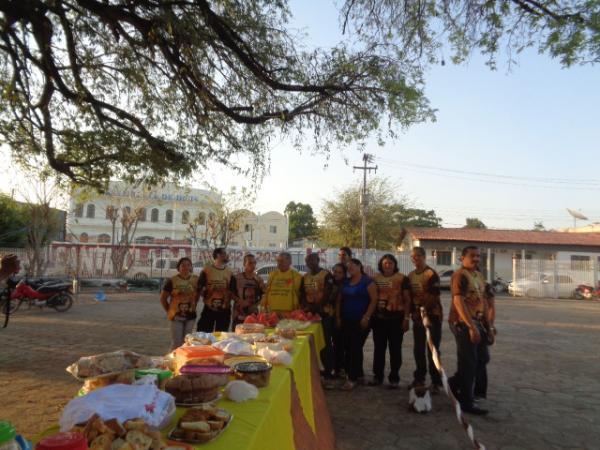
x=158 y=90
x=13 y=223
x=341 y=224
x=302 y=222
x=539 y=226
x=474 y=222
x=414 y=217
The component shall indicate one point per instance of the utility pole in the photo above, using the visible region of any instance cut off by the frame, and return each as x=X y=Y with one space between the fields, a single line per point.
x=364 y=199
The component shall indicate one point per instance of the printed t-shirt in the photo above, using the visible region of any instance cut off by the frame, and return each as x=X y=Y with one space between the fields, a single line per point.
x=390 y=303
x=471 y=286
x=183 y=297
x=217 y=286
x=425 y=291
x=283 y=290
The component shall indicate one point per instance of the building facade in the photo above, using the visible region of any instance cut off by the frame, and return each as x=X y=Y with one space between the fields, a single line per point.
x=165 y=214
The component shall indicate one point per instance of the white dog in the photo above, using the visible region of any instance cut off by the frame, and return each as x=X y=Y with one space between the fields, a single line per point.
x=419 y=399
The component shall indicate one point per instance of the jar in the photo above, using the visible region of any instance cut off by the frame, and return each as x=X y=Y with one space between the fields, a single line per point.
x=63 y=441
x=7 y=436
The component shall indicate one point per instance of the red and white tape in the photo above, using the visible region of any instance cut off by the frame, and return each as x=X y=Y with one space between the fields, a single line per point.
x=438 y=364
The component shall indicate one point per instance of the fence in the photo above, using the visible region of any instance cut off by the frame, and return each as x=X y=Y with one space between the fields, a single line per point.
x=551 y=278
x=95 y=261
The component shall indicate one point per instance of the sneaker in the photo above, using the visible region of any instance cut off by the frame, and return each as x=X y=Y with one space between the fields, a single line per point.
x=393 y=385
x=474 y=410
x=375 y=382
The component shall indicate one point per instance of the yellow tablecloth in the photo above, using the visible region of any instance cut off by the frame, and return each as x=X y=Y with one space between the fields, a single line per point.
x=266 y=423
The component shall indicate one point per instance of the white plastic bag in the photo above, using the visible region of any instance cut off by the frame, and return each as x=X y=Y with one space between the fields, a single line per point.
x=240 y=391
x=123 y=402
x=276 y=357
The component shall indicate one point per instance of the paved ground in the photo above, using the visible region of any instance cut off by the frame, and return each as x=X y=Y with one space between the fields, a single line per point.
x=544 y=375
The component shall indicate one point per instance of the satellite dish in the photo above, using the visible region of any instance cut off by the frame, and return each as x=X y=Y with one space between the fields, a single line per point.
x=576 y=214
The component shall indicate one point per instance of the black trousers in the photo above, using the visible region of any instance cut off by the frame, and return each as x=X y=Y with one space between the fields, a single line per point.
x=327 y=353
x=481 y=378
x=421 y=348
x=214 y=320
x=338 y=350
x=354 y=342
x=387 y=332
x=467 y=355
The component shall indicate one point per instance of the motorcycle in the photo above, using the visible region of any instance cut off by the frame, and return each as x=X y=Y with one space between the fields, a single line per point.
x=53 y=294
x=587 y=292
x=500 y=285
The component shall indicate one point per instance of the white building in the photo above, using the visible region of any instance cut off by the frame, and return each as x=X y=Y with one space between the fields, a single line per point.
x=166 y=212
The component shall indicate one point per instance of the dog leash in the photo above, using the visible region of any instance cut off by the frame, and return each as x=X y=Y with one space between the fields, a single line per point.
x=468 y=429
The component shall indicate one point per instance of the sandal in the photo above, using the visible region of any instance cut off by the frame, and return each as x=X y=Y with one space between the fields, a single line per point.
x=347 y=386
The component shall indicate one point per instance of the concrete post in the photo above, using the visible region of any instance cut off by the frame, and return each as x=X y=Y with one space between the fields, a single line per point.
x=488 y=264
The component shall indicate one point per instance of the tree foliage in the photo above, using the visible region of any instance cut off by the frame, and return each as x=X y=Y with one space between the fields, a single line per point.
x=159 y=89
x=301 y=219
x=387 y=216
x=13 y=223
x=474 y=222
x=539 y=226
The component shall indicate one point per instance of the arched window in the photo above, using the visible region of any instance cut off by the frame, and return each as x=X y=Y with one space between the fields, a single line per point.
x=169 y=216
x=142 y=214
x=79 y=210
x=110 y=212
x=201 y=218
x=185 y=217
x=103 y=238
x=91 y=211
x=154 y=215
x=127 y=211
x=83 y=237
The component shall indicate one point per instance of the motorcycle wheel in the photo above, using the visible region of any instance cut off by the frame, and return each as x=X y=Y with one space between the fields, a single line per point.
x=63 y=303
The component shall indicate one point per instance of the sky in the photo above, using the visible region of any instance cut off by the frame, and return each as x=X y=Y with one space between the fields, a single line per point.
x=511 y=148
x=533 y=127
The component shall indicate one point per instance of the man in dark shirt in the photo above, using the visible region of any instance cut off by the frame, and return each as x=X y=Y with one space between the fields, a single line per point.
x=467 y=311
x=425 y=292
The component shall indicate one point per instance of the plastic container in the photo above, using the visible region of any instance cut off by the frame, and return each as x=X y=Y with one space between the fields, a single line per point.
x=8 y=436
x=63 y=441
x=197 y=369
x=256 y=373
x=201 y=354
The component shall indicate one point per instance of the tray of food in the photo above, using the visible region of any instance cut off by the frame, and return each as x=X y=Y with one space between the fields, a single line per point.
x=201 y=425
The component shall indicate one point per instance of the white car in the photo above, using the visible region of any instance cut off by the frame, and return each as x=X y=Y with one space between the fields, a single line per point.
x=445 y=278
x=543 y=285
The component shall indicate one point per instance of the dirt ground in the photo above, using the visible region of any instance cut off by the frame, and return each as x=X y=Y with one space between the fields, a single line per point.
x=544 y=376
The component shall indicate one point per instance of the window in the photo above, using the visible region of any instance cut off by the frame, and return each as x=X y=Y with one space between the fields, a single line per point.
x=142 y=214
x=127 y=211
x=579 y=262
x=247 y=228
x=83 y=237
x=185 y=217
x=144 y=240
x=103 y=238
x=91 y=211
x=79 y=210
x=444 y=258
x=169 y=216
x=201 y=218
x=273 y=229
x=154 y=215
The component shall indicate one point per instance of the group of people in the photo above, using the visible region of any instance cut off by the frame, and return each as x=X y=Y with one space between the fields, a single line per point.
x=351 y=305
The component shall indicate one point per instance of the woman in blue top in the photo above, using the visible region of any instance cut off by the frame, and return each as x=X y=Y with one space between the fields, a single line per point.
x=359 y=299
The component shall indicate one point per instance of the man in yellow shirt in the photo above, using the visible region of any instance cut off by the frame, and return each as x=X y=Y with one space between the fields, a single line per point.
x=283 y=286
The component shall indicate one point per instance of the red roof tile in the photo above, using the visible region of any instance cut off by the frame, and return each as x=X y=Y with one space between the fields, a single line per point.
x=506 y=236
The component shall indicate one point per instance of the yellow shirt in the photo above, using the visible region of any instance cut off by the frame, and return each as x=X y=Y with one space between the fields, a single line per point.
x=283 y=290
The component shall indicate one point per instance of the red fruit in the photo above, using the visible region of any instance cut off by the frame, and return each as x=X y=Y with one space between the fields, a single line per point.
x=316 y=317
x=250 y=319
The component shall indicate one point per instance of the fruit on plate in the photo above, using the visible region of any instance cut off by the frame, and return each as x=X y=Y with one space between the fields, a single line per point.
x=266 y=319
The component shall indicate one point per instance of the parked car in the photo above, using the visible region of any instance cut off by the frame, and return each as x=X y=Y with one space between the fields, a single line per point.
x=543 y=285
x=264 y=271
x=445 y=278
